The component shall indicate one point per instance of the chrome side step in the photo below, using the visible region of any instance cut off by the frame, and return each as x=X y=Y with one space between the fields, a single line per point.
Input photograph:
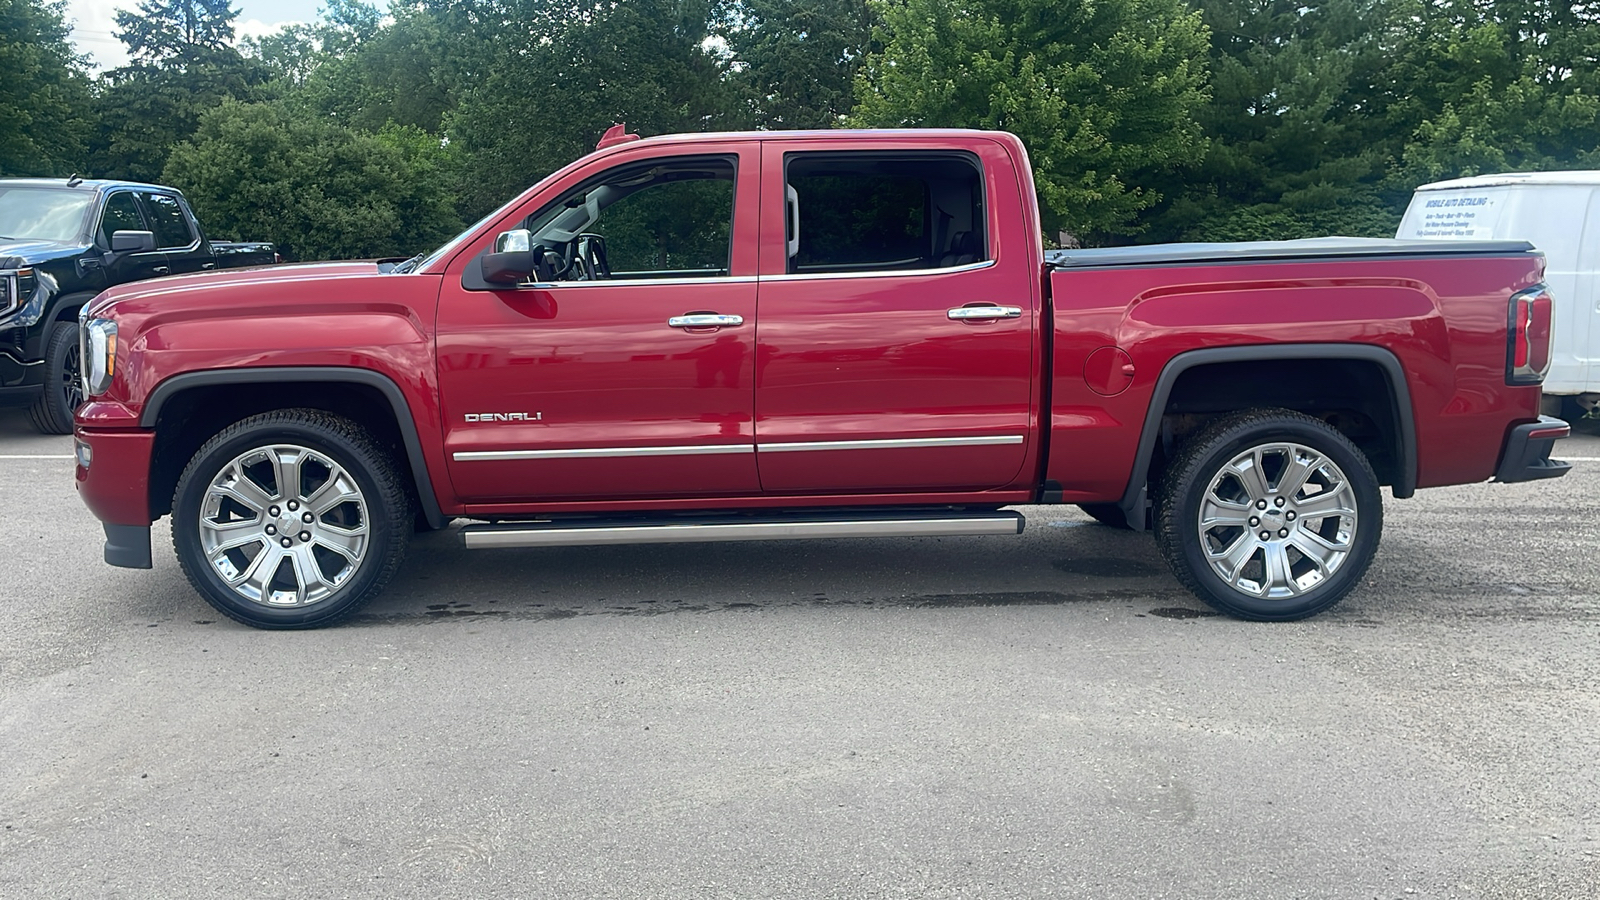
x=571 y=533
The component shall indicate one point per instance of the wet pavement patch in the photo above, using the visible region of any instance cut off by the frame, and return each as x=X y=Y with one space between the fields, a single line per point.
x=1106 y=568
x=1183 y=612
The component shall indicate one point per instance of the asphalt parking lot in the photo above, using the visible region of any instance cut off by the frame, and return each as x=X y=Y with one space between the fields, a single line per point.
x=1043 y=716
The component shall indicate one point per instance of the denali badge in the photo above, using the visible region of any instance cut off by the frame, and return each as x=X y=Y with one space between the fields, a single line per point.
x=506 y=417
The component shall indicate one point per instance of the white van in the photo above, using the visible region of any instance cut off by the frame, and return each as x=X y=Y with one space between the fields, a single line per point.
x=1558 y=212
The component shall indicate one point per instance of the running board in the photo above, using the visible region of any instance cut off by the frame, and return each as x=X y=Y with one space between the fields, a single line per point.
x=739 y=528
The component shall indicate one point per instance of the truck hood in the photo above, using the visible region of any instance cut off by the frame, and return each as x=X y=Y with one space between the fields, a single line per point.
x=16 y=252
x=173 y=289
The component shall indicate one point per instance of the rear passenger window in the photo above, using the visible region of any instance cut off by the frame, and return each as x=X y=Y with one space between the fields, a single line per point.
x=168 y=221
x=882 y=212
x=121 y=214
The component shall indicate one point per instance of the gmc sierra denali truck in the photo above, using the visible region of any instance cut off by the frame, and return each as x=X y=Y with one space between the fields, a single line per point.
x=769 y=336
x=62 y=241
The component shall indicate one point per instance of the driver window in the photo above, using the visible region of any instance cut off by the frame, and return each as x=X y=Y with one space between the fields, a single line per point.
x=121 y=214
x=667 y=218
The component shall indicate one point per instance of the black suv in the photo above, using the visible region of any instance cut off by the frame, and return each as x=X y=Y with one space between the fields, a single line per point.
x=64 y=241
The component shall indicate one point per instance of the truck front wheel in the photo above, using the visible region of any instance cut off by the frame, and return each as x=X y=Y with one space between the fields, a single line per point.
x=290 y=519
x=1269 y=515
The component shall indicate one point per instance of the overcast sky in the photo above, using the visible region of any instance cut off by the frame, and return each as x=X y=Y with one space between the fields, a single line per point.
x=94 y=25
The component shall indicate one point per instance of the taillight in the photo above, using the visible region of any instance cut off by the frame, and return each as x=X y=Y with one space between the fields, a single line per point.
x=1528 y=336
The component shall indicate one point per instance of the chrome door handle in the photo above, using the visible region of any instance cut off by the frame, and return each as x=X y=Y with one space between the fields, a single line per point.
x=161 y=270
x=704 y=320
x=985 y=312
x=209 y=265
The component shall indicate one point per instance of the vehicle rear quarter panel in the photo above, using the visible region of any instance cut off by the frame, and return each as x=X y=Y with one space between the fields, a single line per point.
x=1443 y=318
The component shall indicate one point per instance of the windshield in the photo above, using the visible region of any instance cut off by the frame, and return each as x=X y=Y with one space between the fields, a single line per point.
x=419 y=261
x=45 y=214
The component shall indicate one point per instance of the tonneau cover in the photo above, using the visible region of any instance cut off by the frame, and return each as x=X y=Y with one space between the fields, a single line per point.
x=1249 y=251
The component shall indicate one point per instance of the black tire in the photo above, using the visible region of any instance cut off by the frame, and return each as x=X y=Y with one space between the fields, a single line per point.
x=381 y=503
x=63 y=385
x=1203 y=472
x=1106 y=514
x=1572 y=410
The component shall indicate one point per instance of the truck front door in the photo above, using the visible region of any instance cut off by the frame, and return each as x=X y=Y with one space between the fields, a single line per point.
x=628 y=371
x=896 y=344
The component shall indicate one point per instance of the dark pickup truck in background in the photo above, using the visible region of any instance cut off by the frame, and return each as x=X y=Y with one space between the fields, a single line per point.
x=64 y=241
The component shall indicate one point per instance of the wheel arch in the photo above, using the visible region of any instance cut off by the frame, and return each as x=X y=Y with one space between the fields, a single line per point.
x=175 y=411
x=1400 y=429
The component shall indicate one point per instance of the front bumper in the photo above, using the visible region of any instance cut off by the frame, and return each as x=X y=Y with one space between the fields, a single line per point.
x=113 y=474
x=1527 y=453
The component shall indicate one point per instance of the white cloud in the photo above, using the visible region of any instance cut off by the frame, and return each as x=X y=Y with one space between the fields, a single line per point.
x=255 y=28
x=94 y=32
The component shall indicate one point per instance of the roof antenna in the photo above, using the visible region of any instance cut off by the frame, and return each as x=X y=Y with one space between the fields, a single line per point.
x=616 y=134
x=74 y=180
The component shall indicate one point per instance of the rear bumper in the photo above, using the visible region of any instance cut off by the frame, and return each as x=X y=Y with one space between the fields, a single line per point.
x=1527 y=453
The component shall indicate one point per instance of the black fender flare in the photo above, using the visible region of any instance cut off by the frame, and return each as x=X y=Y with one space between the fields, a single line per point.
x=61 y=303
x=171 y=387
x=1135 y=499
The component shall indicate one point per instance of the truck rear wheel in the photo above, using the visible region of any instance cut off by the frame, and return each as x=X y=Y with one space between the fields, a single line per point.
x=63 y=387
x=1269 y=515
x=290 y=519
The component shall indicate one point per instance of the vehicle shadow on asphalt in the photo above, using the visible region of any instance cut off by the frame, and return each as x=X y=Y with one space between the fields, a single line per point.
x=1058 y=563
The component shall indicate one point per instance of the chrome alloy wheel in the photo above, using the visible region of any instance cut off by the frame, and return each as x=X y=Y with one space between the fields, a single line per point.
x=1278 y=520
x=284 y=525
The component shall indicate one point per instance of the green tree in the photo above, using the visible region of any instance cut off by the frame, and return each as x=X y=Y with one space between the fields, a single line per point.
x=44 y=95
x=315 y=188
x=1104 y=93
x=560 y=75
x=183 y=64
x=1294 y=149
x=1481 y=87
x=167 y=30
x=795 y=61
x=411 y=71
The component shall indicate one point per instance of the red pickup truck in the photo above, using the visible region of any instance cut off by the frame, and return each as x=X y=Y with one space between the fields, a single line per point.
x=767 y=336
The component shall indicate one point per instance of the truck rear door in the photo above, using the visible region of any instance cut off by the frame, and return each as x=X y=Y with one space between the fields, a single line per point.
x=895 y=341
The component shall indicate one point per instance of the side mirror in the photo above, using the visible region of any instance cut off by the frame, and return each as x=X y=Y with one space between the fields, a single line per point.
x=513 y=258
x=132 y=241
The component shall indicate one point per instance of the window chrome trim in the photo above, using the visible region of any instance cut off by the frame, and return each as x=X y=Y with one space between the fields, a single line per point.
x=632 y=282
x=892 y=273
x=891 y=443
x=602 y=452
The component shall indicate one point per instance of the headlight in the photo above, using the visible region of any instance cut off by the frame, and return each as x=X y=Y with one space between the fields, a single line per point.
x=99 y=355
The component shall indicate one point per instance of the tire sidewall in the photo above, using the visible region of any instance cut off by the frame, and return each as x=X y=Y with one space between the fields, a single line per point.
x=53 y=411
x=190 y=496
x=1369 y=520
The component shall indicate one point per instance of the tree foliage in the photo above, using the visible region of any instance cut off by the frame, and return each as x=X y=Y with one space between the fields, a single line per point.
x=573 y=70
x=1146 y=119
x=183 y=65
x=795 y=61
x=44 y=95
x=1104 y=92
x=315 y=188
